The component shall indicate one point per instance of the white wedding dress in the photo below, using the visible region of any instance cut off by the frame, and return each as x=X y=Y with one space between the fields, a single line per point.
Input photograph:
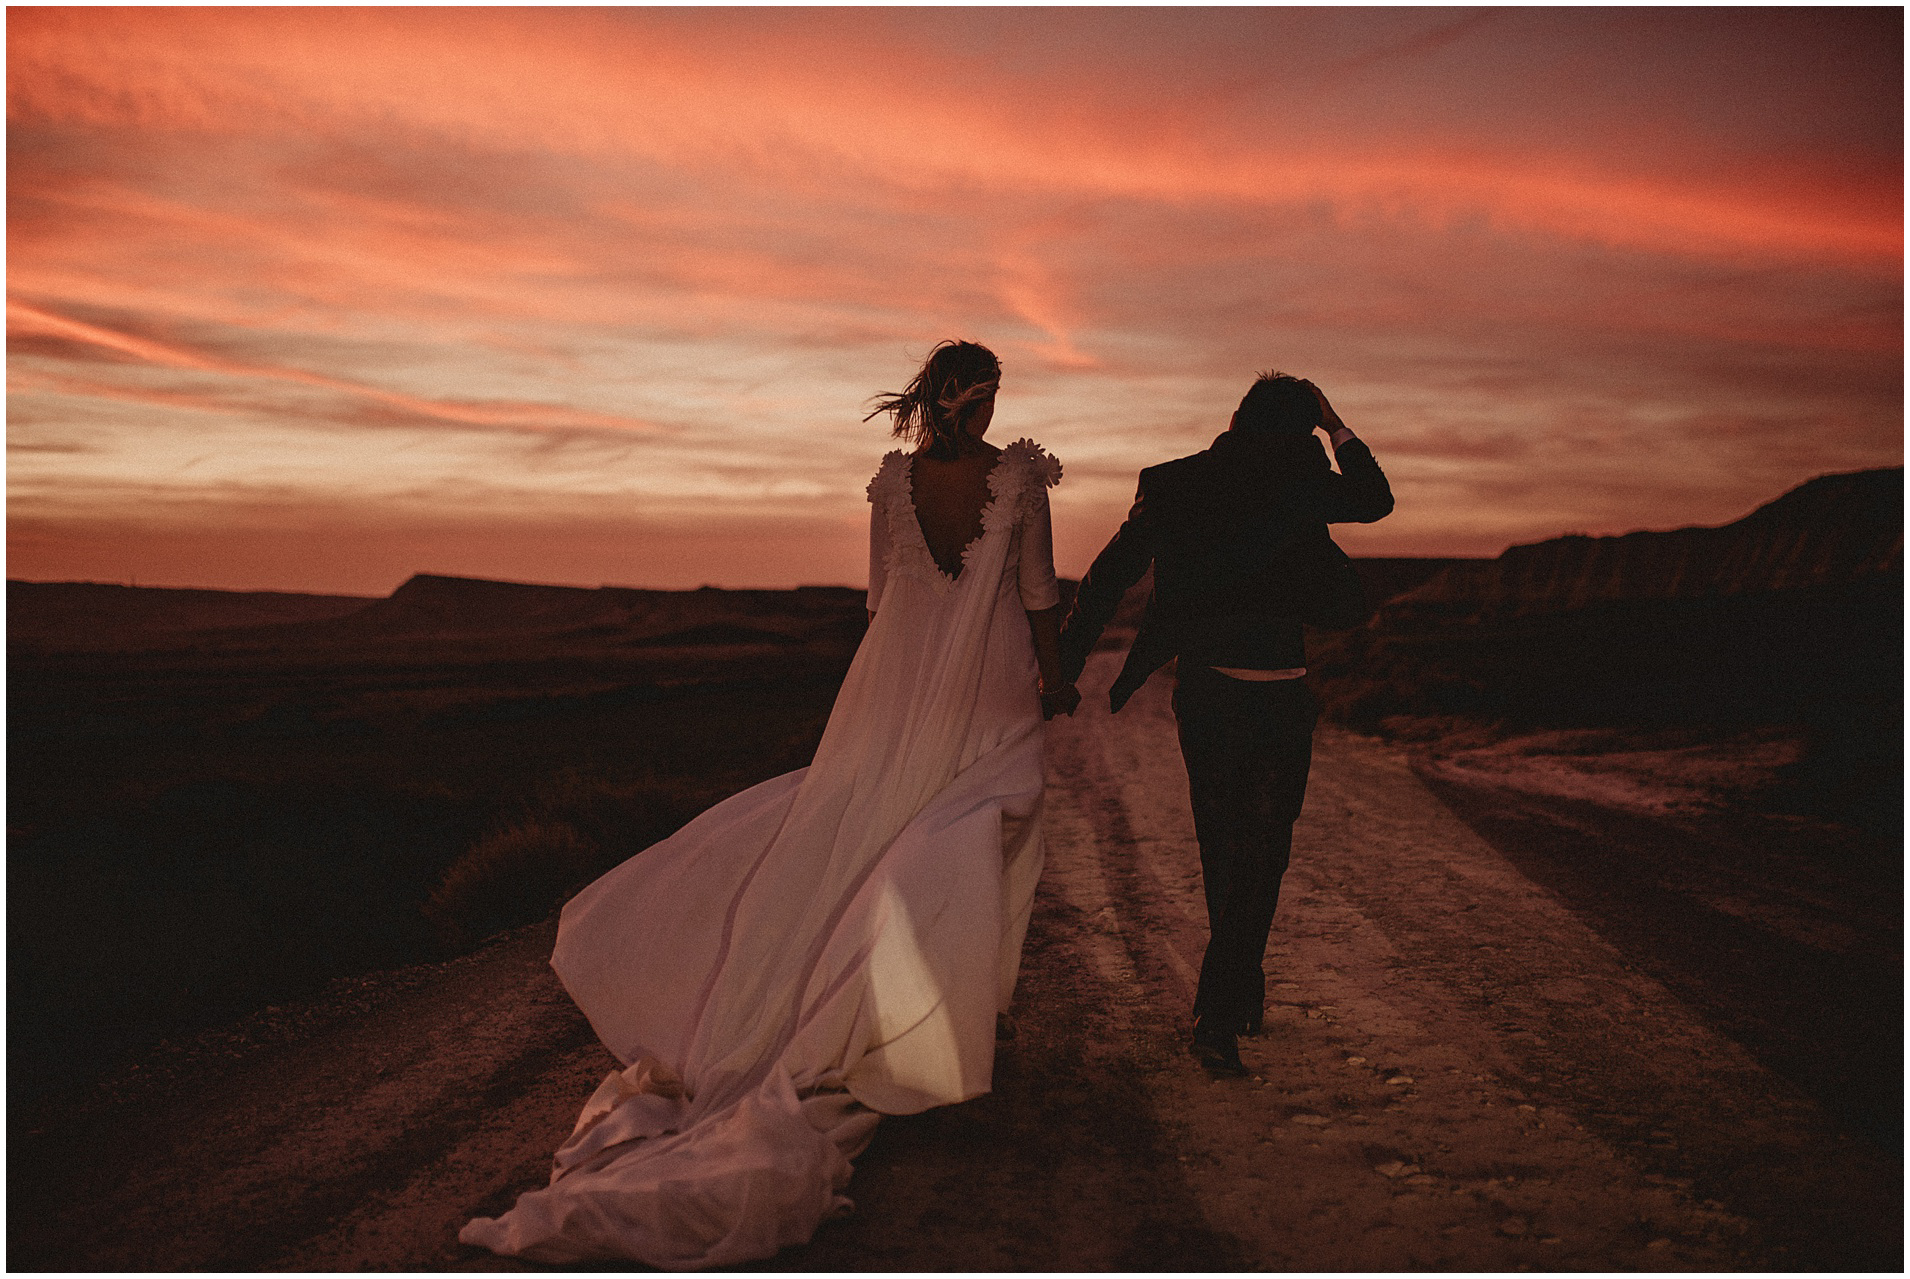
x=830 y=945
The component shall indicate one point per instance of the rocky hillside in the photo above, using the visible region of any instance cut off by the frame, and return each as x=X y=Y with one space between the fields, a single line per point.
x=1835 y=531
x=1790 y=617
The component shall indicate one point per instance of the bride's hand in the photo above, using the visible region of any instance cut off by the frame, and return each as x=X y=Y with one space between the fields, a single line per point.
x=1060 y=701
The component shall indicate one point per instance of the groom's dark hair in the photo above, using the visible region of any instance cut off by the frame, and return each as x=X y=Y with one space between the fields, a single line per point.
x=1278 y=404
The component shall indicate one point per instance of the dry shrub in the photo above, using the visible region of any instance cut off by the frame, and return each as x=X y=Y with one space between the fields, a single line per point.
x=510 y=877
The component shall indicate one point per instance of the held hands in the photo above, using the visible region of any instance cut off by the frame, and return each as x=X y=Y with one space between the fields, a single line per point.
x=1059 y=701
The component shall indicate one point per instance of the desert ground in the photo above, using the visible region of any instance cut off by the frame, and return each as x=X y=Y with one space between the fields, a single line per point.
x=1464 y=1067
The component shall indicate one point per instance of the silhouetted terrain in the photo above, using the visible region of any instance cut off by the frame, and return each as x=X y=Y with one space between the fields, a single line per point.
x=1457 y=1075
x=220 y=800
x=105 y=615
x=1790 y=618
x=1694 y=738
x=48 y=617
x=223 y=800
x=227 y=809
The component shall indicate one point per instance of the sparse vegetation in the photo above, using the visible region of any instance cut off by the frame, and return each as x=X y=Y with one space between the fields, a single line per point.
x=194 y=834
x=510 y=876
x=1824 y=663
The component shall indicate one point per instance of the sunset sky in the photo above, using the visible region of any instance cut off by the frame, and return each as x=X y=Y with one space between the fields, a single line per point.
x=313 y=299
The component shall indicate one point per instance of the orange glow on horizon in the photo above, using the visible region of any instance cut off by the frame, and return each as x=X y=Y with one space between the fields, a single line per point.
x=274 y=270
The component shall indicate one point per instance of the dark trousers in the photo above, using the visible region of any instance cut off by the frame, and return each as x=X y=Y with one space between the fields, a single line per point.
x=1248 y=747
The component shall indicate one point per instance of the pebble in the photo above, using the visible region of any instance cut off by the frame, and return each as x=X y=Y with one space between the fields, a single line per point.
x=1312 y=1121
x=1514 y=1226
x=1392 y=1168
x=1659 y=1243
x=1356 y=1061
x=1400 y=1079
x=1527 y=1107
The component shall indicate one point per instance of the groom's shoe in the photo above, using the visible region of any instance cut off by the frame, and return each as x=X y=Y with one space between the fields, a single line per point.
x=1216 y=1049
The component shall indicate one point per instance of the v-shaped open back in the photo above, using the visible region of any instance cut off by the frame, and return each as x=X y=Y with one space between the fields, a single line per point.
x=828 y=945
x=955 y=518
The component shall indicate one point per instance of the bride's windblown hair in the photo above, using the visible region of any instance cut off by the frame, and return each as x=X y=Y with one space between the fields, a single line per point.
x=930 y=410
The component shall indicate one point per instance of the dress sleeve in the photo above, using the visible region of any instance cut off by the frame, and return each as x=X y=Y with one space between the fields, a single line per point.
x=878 y=552
x=1039 y=589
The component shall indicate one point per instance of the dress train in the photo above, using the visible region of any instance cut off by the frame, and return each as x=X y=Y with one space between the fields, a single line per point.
x=827 y=946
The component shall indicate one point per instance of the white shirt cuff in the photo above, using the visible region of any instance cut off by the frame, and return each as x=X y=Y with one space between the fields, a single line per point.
x=1341 y=436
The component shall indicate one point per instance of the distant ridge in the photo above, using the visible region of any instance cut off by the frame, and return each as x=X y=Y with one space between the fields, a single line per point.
x=100 y=617
x=100 y=614
x=1833 y=530
x=104 y=617
x=1790 y=618
x=434 y=605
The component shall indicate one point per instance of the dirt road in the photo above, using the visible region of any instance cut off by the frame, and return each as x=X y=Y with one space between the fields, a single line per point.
x=1457 y=1073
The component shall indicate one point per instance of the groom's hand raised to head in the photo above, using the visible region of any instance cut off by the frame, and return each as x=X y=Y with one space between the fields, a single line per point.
x=1329 y=420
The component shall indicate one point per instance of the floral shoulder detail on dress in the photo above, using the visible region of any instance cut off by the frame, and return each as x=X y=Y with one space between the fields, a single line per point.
x=1025 y=470
x=891 y=478
x=1045 y=466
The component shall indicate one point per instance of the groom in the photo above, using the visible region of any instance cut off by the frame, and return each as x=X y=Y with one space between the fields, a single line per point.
x=1237 y=538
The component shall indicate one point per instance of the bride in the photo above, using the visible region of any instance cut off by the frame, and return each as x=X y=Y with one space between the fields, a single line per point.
x=833 y=944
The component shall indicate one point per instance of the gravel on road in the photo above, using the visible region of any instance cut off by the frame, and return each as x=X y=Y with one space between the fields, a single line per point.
x=1457 y=1073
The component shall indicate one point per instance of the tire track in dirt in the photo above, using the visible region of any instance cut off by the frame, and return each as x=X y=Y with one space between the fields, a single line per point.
x=1773 y=929
x=1455 y=1068
x=1457 y=1074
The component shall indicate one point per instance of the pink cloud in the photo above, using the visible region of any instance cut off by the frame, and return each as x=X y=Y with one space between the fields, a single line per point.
x=1565 y=268
x=35 y=322
x=850 y=103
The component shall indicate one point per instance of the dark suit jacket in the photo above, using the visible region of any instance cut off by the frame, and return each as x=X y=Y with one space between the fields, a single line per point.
x=1229 y=531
